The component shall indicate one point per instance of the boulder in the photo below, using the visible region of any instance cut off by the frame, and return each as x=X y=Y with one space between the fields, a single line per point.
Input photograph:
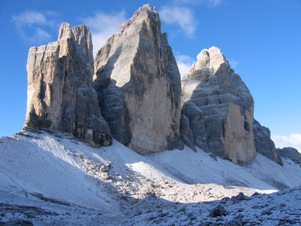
x=60 y=95
x=138 y=85
x=219 y=107
x=264 y=144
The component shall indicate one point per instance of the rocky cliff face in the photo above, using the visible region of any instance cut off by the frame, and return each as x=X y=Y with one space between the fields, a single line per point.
x=264 y=144
x=290 y=153
x=218 y=109
x=138 y=85
x=60 y=95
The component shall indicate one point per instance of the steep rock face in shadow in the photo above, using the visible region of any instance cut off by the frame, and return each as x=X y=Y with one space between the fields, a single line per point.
x=264 y=144
x=60 y=95
x=290 y=153
x=138 y=85
x=219 y=109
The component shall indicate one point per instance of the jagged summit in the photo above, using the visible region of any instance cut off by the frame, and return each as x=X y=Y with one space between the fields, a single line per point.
x=217 y=102
x=143 y=28
x=60 y=95
x=211 y=58
x=138 y=85
x=217 y=114
x=133 y=89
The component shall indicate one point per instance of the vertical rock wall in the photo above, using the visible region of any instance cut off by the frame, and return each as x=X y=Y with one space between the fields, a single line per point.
x=138 y=85
x=60 y=95
x=219 y=107
x=264 y=144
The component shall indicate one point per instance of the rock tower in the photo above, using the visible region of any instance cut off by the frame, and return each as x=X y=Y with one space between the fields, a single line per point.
x=60 y=95
x=139 y=86
x=217 y=114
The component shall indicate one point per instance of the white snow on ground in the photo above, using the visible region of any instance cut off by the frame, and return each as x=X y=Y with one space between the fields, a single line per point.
x=53 y=179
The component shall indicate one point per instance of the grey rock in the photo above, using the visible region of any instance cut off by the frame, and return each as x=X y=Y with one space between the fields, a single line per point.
x=224 y=122
x=138 y=85
x=193 y=131
x=20 y=222
x=218 y=211
x=290 y=153
x=264 y=144
x=236 y=221
x=60 y=95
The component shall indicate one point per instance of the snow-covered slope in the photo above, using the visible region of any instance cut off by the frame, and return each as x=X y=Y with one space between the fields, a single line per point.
x=52 y=178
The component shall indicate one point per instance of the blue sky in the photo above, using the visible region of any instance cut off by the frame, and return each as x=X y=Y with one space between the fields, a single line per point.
x=260 y=39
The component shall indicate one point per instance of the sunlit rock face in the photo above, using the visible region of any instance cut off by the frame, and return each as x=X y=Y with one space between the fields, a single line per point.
x=60 y=95
x=219 y=109
x=138 y=85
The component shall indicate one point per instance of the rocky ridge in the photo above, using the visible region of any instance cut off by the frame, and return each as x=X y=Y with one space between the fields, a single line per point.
x=133 y=89
x=290 y=153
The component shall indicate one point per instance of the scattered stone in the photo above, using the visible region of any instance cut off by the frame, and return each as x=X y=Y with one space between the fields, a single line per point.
x=241 y=196
x=266 y=212
x=218 y=211
x=255 y=194
x=18 y=223
x=236 y=221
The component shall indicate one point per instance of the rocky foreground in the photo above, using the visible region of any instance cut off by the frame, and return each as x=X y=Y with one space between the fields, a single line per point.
x=55 y=179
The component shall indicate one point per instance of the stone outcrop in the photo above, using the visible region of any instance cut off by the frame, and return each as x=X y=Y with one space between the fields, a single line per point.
x=290 y=153
x=218 y=109
x=138 y=85
x=264 y=144
x=60 y=95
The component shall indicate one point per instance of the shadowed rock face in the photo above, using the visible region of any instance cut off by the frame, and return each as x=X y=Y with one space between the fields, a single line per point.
x=60 y=95
x=264 y=144
x=290 y=153
x=219 y=109
x=138 y=85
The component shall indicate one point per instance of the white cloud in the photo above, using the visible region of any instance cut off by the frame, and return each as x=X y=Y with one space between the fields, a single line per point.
x=293 y=140
x=233 y=63
x=184 y=63
x=102 y=26
x=34 y=26
x=29 y=18
x=210 y=3
x=40 y=35
x=214 y=3
x=183 y=17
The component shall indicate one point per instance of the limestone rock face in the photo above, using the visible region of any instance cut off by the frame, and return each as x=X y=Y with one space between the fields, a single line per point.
x=219 y=107
x=138 y=85
x=60 y=95
x=264 y=144
x=290 y=153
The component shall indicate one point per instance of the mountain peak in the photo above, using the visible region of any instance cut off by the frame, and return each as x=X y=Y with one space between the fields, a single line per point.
x=60 y=93
x=224 y=106
x=145 y=14
x=65 y=31
x=211 y=58
x=138 y=84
